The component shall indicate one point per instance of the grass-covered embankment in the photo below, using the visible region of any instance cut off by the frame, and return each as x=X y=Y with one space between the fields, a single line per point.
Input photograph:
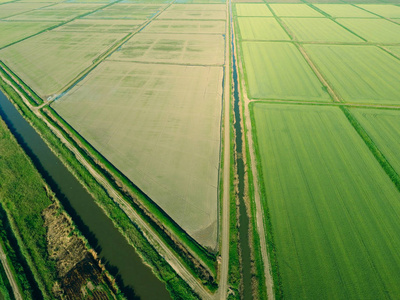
x=23 y=198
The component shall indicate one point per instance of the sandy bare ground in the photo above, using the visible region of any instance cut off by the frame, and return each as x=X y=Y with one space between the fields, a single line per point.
x=9 y=274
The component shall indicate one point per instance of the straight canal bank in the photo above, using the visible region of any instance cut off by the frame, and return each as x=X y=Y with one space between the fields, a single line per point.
x=135 y=278
x=240 y=170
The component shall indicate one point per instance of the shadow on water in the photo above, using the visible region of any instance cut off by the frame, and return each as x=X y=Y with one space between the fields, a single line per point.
x=243 y=218
x=132 y=275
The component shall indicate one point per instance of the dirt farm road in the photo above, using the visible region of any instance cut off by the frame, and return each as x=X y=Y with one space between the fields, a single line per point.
x=9 y=274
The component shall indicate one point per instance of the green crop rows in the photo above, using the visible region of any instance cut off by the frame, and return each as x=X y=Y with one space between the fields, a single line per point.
x=328 y=174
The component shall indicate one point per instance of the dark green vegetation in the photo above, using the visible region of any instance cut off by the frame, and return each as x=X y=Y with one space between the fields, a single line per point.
x=23 y=198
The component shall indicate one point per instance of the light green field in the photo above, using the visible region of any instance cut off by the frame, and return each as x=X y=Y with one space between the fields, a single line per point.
x=49 y=15
x=200 y=1
x=127 y=11
x=91 y=1
x=383 y=127
x=335 y=213
x=294 y=10
x=319 y=30
x=374 y=30
x=75 y=6
x=395 y=50
x=255 y=28
x=252 y=10
x=14 y=31
x=279 y=71
x=82 y=25
x=186 y=26
x=359 y=74
x=344 y=11
x=49 y=61
x=200 y=49
x=10 y=9
x=159 y=125
x=197 y=7
x=193 y=15
x=384 y=10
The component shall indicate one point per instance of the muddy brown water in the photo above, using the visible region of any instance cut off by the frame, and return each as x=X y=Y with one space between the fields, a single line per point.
x=134 y=277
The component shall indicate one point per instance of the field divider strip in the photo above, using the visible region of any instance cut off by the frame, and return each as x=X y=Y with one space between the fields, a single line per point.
x=315 y=103
x=379 y=156
x=316 y=71
x=26 y=11
x=327 y=16
x=371 y=12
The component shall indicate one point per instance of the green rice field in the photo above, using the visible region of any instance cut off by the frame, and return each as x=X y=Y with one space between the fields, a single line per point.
x=319 y=30
x=12 y=32
x=344 y=11
x=252 y=28
x=49 y=61
x=252 y=10
x=374 y=30
x=11 y=9
x=334 y=212
x=383 y=127
x=291 y=79
x=294 y=10
x=127 y=11
x=384 y=10
x=359 y=74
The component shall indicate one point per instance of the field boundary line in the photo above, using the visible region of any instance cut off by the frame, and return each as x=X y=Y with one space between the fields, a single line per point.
x=379 y=156
x=297 y=102
x=329 y=17
x=371 y=12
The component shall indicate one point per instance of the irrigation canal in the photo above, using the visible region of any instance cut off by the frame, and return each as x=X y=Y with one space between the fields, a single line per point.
x=239 y=163
x=133 y=276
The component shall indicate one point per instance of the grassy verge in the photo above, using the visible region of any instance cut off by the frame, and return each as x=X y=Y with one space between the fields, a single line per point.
x=178 y=287
x=5 y=287
x=23 y=198
x=278 y=289
x=17 y=263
